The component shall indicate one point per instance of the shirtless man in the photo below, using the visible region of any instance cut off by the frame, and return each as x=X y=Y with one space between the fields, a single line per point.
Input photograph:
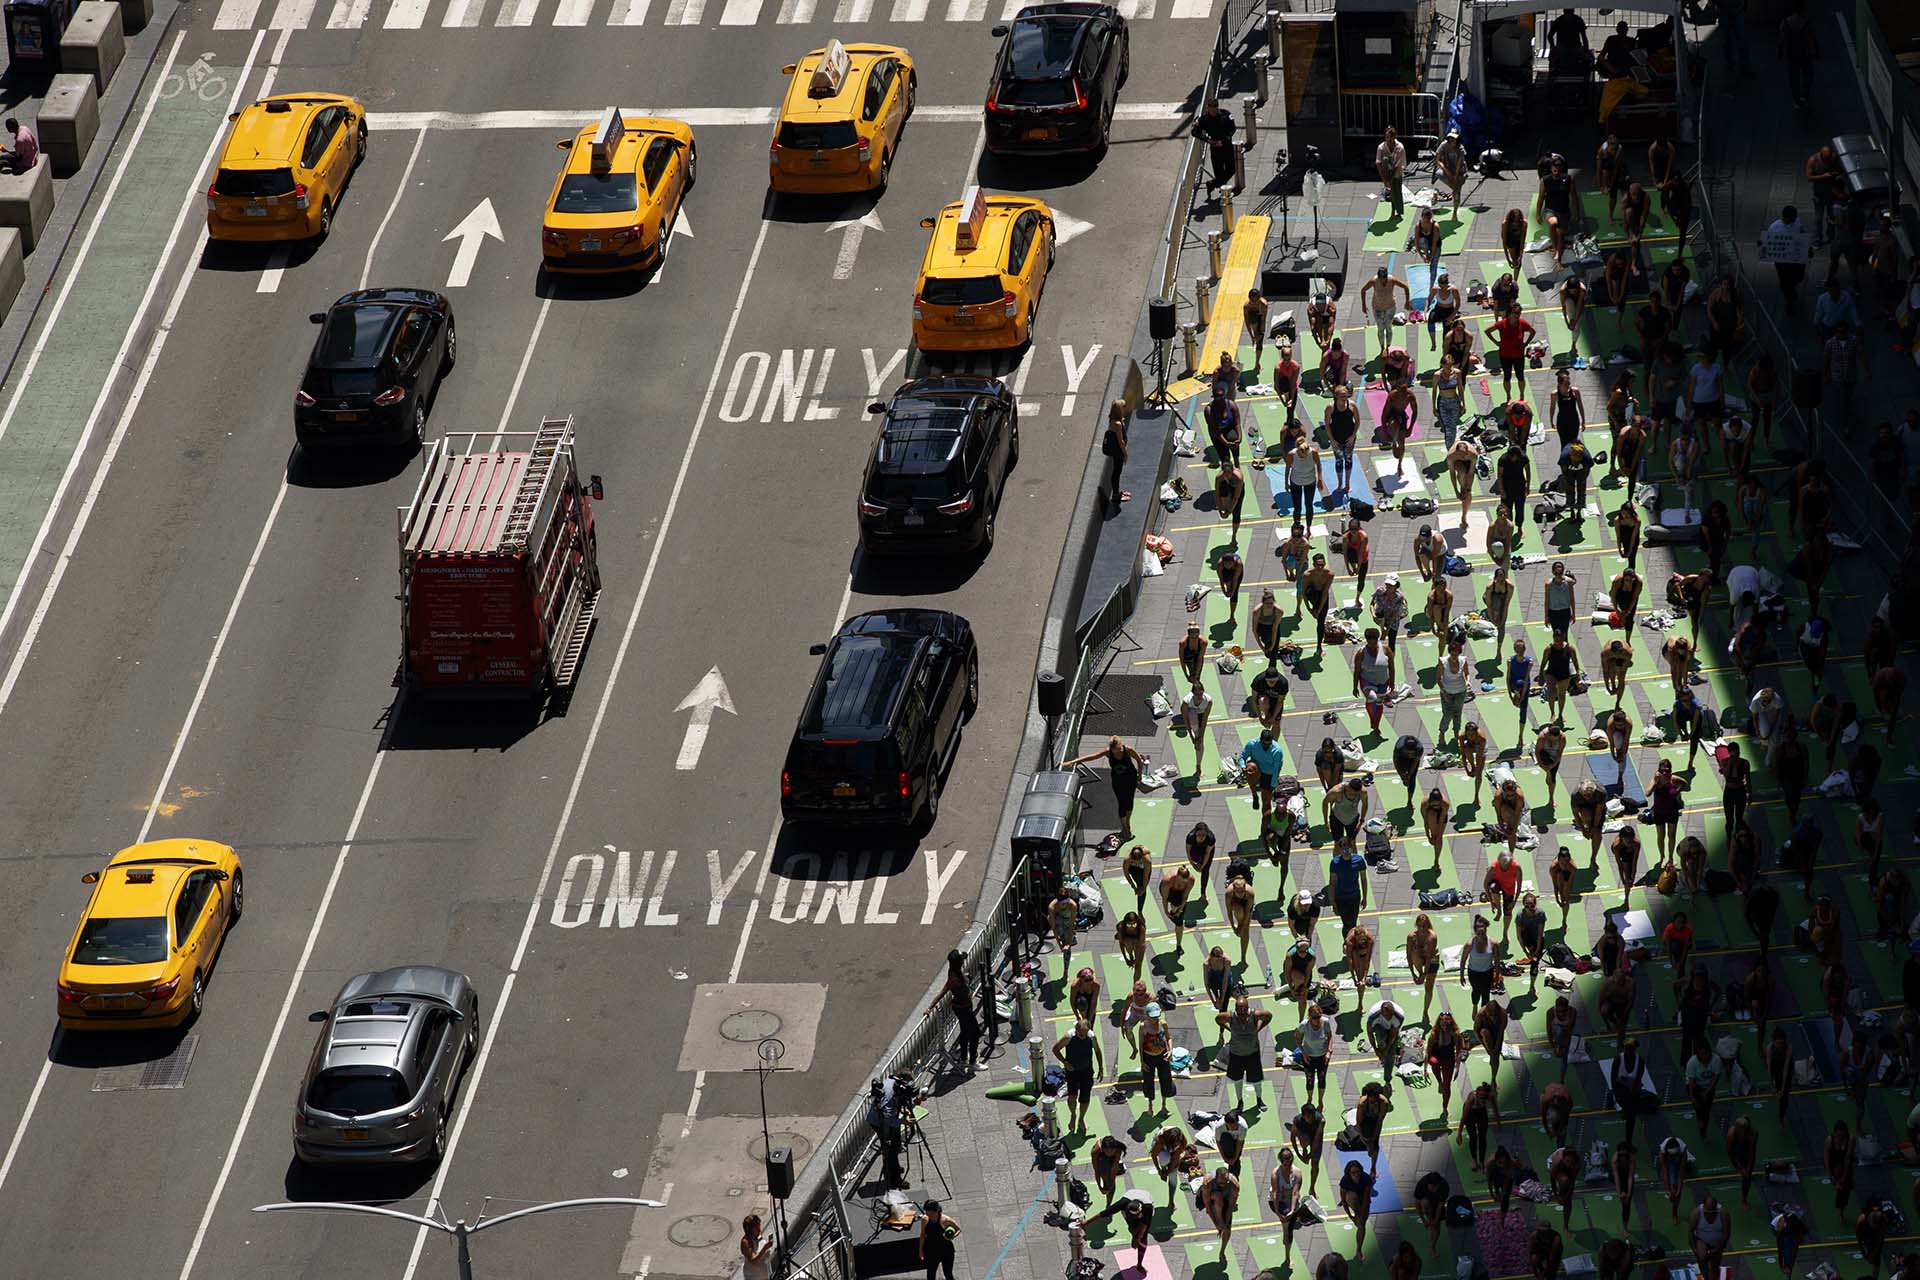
x=1359 y=952
x=1473 y=755
x=1316 y=584
x=1677 y=652
x=1434 y=811
x=1615 y=1005
x=1423 y=960
x=1239 y=899
x=1490 y=1024
x=1176 y=887
x=1616 y=659
x=1589 y=803
x=1563 y=1168
x=1462 y=461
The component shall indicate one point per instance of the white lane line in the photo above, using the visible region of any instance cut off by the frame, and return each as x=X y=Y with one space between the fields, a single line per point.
x=235 y=15
x=908 y=10
x=685 y=13
x=966 y=10
x=294 y=982
x=463 y=13
x=269 y=281
x=51 y=325
x=853 y=11
x=134 y=329
x=795 y=11
x=472 y=1088
x=628 y=13
x=1191 y=9
x=573 y=13
x=516 y=13
x=698 y=117
x=348 y=14
x=291 y=15
x=740 y=13
x=366 y=270
x=405 y=15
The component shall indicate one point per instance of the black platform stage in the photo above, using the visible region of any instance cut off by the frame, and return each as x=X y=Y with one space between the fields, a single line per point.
x=1286 y=271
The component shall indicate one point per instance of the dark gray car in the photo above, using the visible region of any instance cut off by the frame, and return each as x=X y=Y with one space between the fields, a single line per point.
x=380 y=1085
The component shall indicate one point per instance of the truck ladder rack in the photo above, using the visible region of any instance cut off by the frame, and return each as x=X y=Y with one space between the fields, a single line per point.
x=576 y=645
x=533 y=486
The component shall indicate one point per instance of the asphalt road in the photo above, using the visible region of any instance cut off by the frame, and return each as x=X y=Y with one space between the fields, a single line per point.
x=204 y=641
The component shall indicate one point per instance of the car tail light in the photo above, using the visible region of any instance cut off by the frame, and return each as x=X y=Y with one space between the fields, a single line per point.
x=555 y=237
x=871 y=508
x=213 y=205
x=866 y=150
x=1008 y=301
x=636 y=234
x=786 y=784
x=917 y=315
x=1079 y=96
x=392 y=395
x=159 y=991
x=300 y=195
x=302 y=399
x=959 y=507
x=906 y=788
x=300 y=1120
x=69 y=996
x=993 y=98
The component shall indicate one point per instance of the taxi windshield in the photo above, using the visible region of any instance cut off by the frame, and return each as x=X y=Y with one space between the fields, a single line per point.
x=598 y=193
x=122 y=940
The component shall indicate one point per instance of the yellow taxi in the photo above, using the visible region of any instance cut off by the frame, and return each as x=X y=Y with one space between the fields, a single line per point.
x=986 y=265
x=141 y=953
x=285 y=166
x=613 y=204
x=840 y=125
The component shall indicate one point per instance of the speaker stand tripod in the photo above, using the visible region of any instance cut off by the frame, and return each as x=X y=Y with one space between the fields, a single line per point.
x=1160 y=397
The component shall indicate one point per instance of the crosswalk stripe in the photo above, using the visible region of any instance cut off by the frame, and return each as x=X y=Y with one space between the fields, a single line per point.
x=291 y=15
x=853 y=11
x=516 y=13
x=348 y=14
x=966 y=10
x=1136 y=8
x=628 y=13
x=685 y=13
x=740 y=13
x=573 y=13
x=795 y=11
x=1191 y=9
x=405 y=14
x=462 y=13
x=908 y=10
x=236 y=15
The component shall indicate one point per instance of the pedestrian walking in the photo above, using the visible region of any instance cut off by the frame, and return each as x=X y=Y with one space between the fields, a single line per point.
x=1787 y=244
x=937 y=1232
x=1216 y=128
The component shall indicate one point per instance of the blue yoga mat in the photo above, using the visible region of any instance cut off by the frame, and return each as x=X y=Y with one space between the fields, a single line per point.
x=1336 y=499
x=1420 y=284
x=1820 y=1044
x=1604 y=773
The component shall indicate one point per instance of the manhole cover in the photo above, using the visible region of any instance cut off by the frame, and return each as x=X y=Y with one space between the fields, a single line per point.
x=750 y=1026
x=700 y=1231
x=800 y=1146
x=169 y=1072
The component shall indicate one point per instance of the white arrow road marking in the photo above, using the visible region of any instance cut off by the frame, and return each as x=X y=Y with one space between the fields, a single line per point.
x=707 y=697
x=681 y=227
x=1066 y=227
x=473 y=229
x=852 y=230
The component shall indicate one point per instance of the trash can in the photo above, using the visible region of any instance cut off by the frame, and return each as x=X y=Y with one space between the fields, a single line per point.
x=34 y=28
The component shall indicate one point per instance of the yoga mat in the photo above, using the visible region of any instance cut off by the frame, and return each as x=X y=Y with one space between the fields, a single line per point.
x=1376 y=399
x=1283 y=500
x=1337 y=498
x=1419 y=284
x=1609 y=775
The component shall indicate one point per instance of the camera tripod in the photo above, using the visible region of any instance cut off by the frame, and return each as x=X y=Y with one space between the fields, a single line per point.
x=913 y=1135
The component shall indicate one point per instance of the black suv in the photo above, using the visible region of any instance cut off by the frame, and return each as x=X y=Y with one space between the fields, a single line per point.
x=882 y=722
x=939 y=465
x=375 y=368
x=1058 y=75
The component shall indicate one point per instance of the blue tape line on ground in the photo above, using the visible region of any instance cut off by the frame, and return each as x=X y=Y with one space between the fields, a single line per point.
x=1005 y=1248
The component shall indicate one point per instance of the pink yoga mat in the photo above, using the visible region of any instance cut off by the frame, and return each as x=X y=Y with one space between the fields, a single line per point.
x=1156 y=1268
x=1376 y=398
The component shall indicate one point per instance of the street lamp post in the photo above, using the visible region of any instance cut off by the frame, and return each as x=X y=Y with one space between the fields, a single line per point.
x=770 y=1051
x=458 y=1229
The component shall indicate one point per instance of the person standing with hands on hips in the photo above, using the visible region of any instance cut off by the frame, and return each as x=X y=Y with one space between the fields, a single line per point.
x=1377 y=296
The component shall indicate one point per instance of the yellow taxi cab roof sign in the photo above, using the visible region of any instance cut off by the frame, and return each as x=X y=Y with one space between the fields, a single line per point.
x=830 y=72
x=972 y=217
x=606 y=138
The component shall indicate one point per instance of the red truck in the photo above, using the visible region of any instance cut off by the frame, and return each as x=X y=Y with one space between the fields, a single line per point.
x=498 y=576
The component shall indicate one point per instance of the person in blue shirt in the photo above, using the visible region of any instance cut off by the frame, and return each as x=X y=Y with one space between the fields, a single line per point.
x=1268 y=758
x=1347 y=875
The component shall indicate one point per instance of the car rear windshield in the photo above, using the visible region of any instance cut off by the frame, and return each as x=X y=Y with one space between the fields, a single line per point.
x=252 y=183
x=359 y=1092
x=846 y=759
x=355 y=336
x=1036 y=93
x=819 y=135
x=351 y=382
x=961 y=291
x=122 y=940
x=598 y=193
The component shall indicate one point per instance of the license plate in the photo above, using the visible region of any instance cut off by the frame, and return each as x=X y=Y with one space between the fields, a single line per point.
x=256 y=211
x=913 y=517
x=962 y=318
x=590 y=245
x=347 y=415
x=354 y=1135
x=843 y=789
x=114 y=1002
x=1039 y=135
x=818 y=158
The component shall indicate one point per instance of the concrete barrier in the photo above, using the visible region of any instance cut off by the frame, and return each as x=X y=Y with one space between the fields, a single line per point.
x=94 y=42
x=26 y=199
x=13 y=267
x=134 y=15
x=69 y=119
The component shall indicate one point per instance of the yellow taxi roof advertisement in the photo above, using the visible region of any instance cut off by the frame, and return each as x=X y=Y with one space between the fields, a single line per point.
x=972 y=217
x=606 y=138
x=831 y=71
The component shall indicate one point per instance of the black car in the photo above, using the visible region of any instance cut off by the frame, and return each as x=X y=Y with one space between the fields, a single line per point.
x=1057 y=78
x=374 y=369
x=882 y=722
x=939 y=466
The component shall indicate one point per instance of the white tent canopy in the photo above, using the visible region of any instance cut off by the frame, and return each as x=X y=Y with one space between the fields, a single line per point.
x=1480 y=12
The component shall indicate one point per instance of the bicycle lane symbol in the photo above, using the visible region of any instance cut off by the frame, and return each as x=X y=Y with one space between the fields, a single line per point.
x=199 y=78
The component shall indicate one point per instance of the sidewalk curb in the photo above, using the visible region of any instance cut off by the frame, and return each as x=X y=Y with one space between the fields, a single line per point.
x=77 y=192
